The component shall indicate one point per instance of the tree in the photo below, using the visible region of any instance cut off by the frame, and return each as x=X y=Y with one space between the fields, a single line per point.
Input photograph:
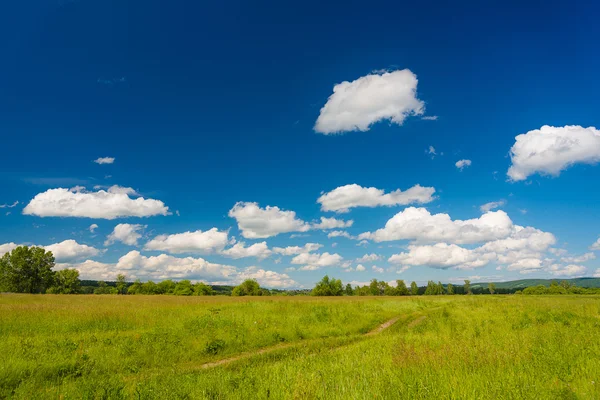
x=449 y=289
x=414 y=289
x=103 y=288
x=467 y=287
x=401 y=288
x=66 y=281
x=249 y=287
x=183 y=288
x=136 y=287
x=439 y=288
x=121 y=284
x=26 y=270
x=492 y=287
x=328 y=287
x=202 y=289
x=166 y=287
x=431 y=288
x=349 y=291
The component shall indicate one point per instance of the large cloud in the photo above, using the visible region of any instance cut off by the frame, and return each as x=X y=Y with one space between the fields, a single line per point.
x=550 y=150
x=418 y=225
x=7 y=248
x=125 y=233
x=441 y=255
x=568 y=270
x=199 y=241
x=313 y=261
x=107 y=204
x=239 y=250
x=372 y=98
x=70 y=250
x=342 y=198
x=256 y=222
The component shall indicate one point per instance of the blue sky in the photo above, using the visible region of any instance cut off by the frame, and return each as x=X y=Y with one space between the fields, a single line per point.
x=203 y=106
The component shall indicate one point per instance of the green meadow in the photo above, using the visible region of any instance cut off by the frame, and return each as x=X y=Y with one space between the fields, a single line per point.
x=173 y=347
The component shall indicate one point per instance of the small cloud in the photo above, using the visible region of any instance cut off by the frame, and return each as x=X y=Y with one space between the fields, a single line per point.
x=104 y=160
x=430 y=118
x=523 y=211
x=177 y=213
x=492 y=205
x=93 y=227
x=111 y=81
x=16 y=203
x=462 y=164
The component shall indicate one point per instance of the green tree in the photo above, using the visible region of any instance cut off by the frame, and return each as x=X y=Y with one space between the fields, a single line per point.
x=202 y=289
x=249 y=287
x=414 y=289
x=121 y=284
x=66 y=281
x=431 y=288
x=183 y=288
x=439 y=288
x=149 y=288
x=103 y=288
x=492 y=287
x=328 y=287
x=136 y=287
x=467 y=286
x=401 y=288
x=349 y=291
x=450 y=288
x=166 y=287
x=26 y=270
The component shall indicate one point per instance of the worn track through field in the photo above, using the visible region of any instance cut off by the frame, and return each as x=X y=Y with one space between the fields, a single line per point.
x=266 y=350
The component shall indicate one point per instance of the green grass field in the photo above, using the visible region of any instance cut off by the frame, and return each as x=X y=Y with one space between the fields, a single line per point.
x=161 y=347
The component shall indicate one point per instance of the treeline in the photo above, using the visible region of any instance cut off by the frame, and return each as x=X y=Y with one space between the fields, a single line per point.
x=563 y=287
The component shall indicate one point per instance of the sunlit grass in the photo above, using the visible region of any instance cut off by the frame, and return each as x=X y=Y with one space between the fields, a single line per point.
x=511 y=347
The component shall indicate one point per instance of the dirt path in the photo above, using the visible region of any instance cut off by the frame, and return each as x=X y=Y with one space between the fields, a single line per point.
x=266 y=350
x=417 y=321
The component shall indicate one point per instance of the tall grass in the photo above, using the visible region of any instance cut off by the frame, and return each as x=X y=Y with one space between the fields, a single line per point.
x=502 y=347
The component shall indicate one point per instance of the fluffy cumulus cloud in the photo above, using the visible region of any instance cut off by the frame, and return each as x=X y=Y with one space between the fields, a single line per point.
x=369 y=99
x=269 y=279
x=7 y=248
x=343 y=198
x=418 y=225
x=550 y=150
x=526 y=265
x=239 y=250
x=199 y=241
x=331 y=223
x=106 y=204
x=462 y=164
x=360 y=268
x=492 y=205
x=368 y=258
x=70 y=250
x=294 y=250
x=104 y=160
x=256 y=223
x=314 y=261
x=568 y=270
x=596 y=245
x=441 y=255
x=128 y=234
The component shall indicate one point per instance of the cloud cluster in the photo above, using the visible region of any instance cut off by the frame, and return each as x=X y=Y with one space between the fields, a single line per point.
x=104 y=160
x=369 y=99
x=70 y=250
x=462 y=164
x=314 y=261
x=343 y=198
x=550 y=150
x=128 y=234
x=105 y=204
x=239 y=250
x=203 y=242
x=294 y=250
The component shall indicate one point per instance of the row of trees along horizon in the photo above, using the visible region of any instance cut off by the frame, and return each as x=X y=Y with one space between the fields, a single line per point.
x=31 y=270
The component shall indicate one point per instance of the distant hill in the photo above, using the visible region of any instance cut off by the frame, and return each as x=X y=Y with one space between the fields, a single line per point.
x=523 y=283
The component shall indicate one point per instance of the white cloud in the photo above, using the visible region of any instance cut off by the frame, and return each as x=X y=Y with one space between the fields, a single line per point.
x=125 y=233
x=579 y=259
x=331 y=223
x=377 y=269
x=550 y=150
x=104 y=160
x=492 y=205
x=342 y=198
x=93 y=227
x=256 y=222
x=314 y=261
x=430 y=118
x=16 y=203
x=269 y=279
x=110 y=204
x=199 y=241
x=360 y=268
x=526 y=265
x=569 y=270
x=70 y=250
x=7 y=248
x=419 y=225
x=368 y=258
x=462 y=164
x=239 y=250
x=441 y=255
x=596 y=245
x=372 y=98
x=339 y=234
x=293 y=250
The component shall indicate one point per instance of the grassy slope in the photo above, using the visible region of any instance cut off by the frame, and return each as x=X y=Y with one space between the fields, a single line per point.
x=523 y=283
